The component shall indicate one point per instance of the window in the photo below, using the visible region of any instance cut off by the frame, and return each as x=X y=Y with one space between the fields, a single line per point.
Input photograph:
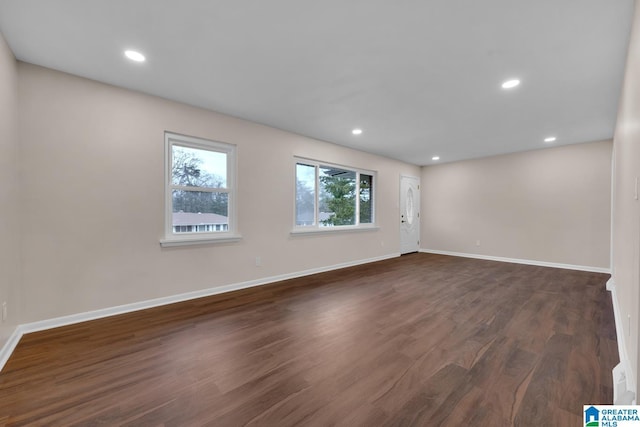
x=333 y=196
x=199 y=190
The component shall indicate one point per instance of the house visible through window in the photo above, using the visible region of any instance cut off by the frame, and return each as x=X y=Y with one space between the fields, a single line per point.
x=333 y=196
x=200 y=187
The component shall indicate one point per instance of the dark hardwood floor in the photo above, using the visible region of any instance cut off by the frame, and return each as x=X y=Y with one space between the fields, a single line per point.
x=418 y=340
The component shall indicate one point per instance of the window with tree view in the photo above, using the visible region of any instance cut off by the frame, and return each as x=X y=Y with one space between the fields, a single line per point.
x=333 y=196
x=200 y=186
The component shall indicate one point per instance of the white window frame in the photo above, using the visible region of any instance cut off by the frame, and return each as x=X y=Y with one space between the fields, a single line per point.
x=201 y=237
x=316 y=228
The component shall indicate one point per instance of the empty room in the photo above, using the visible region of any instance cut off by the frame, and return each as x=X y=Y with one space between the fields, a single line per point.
x=296 y=213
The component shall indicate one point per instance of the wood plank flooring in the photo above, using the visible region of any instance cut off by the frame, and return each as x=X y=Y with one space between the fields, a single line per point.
x=418 y=340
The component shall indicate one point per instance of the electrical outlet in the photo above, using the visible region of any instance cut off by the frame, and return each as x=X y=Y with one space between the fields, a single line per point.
x=258 y=261
x=4 y=311
x=477 y=242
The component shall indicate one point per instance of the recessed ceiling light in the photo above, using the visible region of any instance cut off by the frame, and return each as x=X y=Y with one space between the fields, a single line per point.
x=510 y=84
x=550 y=139
x=134 y=55
x=435 y=158
x=356 y=131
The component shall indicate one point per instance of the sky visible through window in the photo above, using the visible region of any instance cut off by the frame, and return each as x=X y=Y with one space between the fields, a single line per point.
x=210 y=162
x=306 y=175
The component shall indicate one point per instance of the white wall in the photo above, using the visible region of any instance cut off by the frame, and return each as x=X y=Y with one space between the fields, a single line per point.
x=550 y=205
x=9 y=194
x=93 y=208
x=626 y=216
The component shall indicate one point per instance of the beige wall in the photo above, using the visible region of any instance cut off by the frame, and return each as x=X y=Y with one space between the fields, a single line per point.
x=626 y=216
x=93 y=157
x=9 y=195
x=550 y=205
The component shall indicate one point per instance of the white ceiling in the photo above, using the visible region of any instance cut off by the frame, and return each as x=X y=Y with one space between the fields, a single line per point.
x=420 y=77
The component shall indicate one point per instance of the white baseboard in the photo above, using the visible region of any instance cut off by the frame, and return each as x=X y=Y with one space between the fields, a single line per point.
x=42 y=325
x=521 y=261
x=624 y=383
x=9 y=346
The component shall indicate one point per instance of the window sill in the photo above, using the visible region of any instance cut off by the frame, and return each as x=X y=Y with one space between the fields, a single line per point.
x=331 y=230
x=199 y=240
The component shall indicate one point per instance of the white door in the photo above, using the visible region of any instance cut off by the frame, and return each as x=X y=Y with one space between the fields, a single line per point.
x=409 y=214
